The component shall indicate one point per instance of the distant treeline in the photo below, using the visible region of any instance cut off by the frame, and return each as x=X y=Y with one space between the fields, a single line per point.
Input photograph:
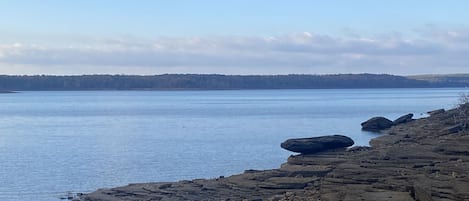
x=213 y=81
x=451 y=80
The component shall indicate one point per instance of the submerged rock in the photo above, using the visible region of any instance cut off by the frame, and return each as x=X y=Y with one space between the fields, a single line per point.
x=377 y=124
x=403 y=119
x=316 y=144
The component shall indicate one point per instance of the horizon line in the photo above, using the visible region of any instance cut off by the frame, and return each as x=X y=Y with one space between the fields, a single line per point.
x=219 y=74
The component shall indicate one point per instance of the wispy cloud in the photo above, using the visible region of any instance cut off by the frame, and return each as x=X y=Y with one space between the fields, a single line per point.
x=433 y=51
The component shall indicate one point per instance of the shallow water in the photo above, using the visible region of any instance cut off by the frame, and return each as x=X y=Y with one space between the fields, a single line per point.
x=54 y=142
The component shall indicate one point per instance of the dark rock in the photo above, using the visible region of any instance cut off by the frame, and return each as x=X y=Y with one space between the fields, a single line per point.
x=403 y=119
x=435 y=112
x=359 y=148
x=377 y=124
x=453 y=129
x=316 y=144
x=421 y=194
x=251 y=171
x=165 y=186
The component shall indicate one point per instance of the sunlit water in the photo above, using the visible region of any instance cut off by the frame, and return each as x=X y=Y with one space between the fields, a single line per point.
x=54 y=142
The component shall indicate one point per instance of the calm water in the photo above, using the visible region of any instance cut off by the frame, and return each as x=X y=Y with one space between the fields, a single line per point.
x=54 y=142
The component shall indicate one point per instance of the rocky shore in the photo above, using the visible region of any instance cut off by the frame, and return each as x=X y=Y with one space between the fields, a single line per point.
x=420 y=160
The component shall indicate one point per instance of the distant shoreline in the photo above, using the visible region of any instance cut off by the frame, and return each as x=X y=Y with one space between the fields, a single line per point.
x=228 y=89
x=194 y=82
x=190 y=89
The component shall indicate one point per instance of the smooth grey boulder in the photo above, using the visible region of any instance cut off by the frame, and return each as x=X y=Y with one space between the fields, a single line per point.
x=316 y=144
x=403 y=119
x=377 y=124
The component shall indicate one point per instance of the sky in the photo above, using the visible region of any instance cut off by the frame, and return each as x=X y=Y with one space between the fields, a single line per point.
x=400 y=37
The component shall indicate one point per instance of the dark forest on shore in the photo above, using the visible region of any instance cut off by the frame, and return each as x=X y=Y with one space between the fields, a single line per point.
x=219 y=82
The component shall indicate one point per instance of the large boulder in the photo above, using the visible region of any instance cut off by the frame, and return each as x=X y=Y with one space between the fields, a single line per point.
x=377 y=124
x=316 y=144
x=403 y=119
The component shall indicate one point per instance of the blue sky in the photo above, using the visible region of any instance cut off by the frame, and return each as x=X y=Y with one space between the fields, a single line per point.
x=233 y=37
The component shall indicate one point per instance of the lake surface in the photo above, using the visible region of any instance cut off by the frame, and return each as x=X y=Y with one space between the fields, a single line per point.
x=55 y=142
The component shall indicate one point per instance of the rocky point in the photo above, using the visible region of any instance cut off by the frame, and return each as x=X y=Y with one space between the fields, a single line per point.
x=421 y=160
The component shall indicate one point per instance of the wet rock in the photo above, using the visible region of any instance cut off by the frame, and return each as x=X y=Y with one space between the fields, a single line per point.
x=317 y=144
x=377 y=124
x=403 y=119
x=436 y=112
